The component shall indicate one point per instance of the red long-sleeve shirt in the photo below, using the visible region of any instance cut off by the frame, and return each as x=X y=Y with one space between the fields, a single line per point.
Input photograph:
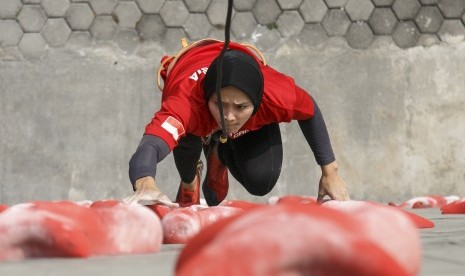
x=185 y=110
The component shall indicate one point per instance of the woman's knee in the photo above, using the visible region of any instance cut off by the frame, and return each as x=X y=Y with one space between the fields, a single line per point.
x=259 y=190
x=260 y=184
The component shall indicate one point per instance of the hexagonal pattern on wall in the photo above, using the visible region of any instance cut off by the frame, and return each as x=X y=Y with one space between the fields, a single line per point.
x=32 y=45
x=56 y=32
x=452 y=8
x=32 y=18
x=243 y=24
x=289 y=23
x=103 y=7
x=197 y=26
x=240 y=5
x=313 y=11
x=359 y=10
x=427 y=40
x=266 y=38
x=150 y=27
x=429 y=2
x=10 y=33
x=171 y=40
x=127 y=14
x=80 y=39
x=335 y=3
x=406 y=9
x=9 y=9
x=266 y=11
x=359 y=35
x=55 y=8
x=382 y=21
x=219 y=33
x=289 y=4
x=336 y=22
x=79 y=16
x=103 y=27
x=406 y=34
x=174 y=13
x=150 y=6
x=383 y=3
x=429 y=19
x=129 y=22
x=313 y=35
x=452 y=31
x=216 y=13
x=127 y=40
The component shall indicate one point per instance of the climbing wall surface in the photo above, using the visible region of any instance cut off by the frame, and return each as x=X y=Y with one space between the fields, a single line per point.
x=280 y=236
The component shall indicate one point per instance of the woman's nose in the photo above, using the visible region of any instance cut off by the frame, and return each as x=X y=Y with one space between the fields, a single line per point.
x=228 y=114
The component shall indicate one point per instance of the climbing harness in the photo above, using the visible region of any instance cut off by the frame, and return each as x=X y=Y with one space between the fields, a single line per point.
x=172 y=60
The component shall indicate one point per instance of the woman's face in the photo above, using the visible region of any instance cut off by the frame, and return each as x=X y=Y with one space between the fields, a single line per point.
x=237 y=108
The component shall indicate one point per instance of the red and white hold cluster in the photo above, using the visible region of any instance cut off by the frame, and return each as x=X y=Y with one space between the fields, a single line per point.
x=448 y=204
x=290 y=235
x=295 y=237
x=68 y=229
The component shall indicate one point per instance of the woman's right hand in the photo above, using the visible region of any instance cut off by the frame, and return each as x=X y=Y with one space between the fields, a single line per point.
x=147 y=193
x=331 y=184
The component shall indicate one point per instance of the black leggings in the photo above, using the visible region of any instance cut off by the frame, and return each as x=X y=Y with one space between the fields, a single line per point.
x=254 y=159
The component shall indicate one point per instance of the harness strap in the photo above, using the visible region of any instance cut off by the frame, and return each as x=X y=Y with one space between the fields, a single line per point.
x=168 y=63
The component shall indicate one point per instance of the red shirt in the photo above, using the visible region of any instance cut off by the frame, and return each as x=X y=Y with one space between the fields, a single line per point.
x=185 y=110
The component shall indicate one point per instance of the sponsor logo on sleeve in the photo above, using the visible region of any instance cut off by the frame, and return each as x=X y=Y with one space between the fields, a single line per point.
x=196 y=74
x=174 y=127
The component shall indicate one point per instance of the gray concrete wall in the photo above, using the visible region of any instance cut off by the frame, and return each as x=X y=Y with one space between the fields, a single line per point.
x=72 y=113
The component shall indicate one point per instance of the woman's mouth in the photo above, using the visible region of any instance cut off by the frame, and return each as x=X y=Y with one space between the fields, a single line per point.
x=232 y=128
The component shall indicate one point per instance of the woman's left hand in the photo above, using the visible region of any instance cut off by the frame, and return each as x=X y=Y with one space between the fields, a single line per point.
x=331 y=184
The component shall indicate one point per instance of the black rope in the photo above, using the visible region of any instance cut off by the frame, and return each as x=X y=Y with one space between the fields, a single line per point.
x=227 y=29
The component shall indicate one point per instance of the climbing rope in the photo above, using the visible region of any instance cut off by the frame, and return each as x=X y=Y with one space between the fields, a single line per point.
x=227 y=29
